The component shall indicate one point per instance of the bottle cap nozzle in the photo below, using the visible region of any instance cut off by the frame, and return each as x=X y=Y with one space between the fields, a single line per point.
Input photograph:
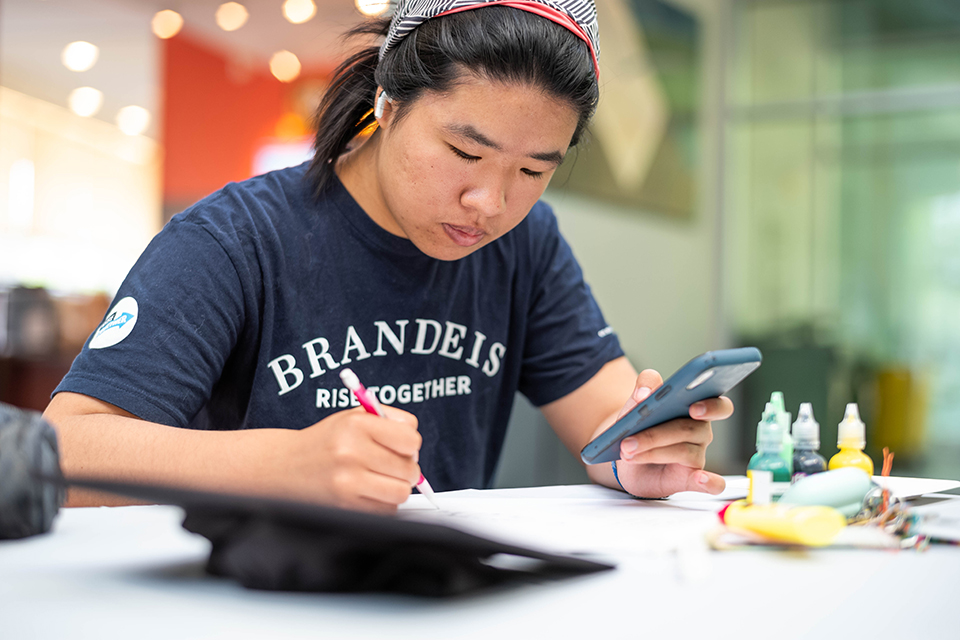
x=769 y=431
x=776 y=400
x=806 y=430
x=768 y=411
x=779 y=407
x=851 y=432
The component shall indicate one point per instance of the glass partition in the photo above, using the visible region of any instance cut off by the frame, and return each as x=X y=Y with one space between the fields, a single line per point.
x=843 y=212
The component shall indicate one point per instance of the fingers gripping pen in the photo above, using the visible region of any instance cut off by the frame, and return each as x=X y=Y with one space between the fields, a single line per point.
x=369 y=402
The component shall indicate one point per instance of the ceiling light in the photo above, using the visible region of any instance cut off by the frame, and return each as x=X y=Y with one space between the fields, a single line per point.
x=133 y=120
x=299 y=11
x=372 y=7
x=284 y=66
x=85 y=101
x=166 y=23
x=79 y=56
x=231 y=16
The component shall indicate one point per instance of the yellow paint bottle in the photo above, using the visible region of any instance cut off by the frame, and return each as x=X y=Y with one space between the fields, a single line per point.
x=812 y=526
x=851 y=439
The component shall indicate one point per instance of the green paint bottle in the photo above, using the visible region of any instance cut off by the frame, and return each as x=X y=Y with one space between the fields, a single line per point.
x=768 y=457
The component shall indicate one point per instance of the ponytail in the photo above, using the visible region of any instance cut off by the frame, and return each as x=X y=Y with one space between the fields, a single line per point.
x=346 y=107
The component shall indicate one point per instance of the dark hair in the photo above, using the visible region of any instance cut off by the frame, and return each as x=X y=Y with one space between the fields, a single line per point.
x=498 y=43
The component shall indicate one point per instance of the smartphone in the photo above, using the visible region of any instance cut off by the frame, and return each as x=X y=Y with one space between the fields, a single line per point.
x=707 y=376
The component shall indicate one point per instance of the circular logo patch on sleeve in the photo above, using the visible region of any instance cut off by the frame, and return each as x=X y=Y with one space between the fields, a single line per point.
x=117 y=325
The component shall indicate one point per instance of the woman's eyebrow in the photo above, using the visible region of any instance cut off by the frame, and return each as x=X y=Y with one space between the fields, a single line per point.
x=553 y=157
x=469 y=132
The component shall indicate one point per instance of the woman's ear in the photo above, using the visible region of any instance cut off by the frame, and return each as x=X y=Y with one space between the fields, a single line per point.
x=382 y=105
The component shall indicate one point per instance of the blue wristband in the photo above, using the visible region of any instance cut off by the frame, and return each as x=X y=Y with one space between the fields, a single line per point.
x=613 y=465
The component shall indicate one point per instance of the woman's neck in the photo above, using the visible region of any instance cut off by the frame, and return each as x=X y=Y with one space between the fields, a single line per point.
x=357 y=170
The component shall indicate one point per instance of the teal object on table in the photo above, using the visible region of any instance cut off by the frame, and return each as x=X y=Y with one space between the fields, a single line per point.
x=843 y=489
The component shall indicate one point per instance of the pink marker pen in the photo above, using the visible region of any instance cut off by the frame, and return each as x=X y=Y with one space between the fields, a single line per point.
x=369 y=402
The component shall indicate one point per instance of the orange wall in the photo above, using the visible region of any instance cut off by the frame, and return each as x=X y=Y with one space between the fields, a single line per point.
x=212 y=122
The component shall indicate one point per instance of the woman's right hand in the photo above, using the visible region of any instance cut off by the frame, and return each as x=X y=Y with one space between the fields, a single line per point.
x=355 y=460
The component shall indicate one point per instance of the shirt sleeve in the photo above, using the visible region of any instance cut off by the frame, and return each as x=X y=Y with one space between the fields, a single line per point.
x=159 y=356
x=567 y=339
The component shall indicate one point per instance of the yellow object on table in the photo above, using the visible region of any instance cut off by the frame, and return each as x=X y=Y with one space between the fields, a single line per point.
x=812 y=526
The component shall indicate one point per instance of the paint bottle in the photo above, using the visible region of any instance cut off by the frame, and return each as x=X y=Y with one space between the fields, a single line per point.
x=806 y=441
x=851 y=439
x=786 y=450
x=768 y=456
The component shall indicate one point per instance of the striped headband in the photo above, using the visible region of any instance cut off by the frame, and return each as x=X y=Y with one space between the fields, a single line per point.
x=579 y=16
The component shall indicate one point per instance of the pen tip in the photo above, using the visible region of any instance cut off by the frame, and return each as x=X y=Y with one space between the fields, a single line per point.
x=424 y=488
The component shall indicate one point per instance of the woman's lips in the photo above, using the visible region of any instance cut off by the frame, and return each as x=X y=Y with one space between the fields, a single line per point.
x=463 y=236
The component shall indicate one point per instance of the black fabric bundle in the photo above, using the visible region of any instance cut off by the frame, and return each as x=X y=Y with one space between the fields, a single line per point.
x=28 y=450
x=292 y=546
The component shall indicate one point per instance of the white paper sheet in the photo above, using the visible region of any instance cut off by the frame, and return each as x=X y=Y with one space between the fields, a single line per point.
x=582 y=518
x=570 y=519
x=906 y=488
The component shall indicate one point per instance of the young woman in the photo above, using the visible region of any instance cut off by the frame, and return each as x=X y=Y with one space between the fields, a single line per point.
x=419 y=256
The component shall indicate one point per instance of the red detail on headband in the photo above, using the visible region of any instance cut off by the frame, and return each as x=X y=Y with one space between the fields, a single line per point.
x=543 y=11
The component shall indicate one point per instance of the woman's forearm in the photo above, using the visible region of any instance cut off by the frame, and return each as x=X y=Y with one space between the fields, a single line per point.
x=98 y=440
x=351 y=459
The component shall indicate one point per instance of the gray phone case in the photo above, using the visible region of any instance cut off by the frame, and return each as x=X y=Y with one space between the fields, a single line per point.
x=707 y=376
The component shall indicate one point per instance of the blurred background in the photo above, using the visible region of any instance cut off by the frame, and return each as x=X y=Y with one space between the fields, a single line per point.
x=776 y=173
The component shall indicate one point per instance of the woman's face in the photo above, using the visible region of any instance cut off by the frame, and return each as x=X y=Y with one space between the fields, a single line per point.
x=461 y=169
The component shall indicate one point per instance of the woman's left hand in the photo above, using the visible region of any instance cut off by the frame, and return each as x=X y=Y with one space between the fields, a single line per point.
x=669 y=457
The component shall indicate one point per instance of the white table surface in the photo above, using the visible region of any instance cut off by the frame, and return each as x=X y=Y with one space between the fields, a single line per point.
x=133 y=572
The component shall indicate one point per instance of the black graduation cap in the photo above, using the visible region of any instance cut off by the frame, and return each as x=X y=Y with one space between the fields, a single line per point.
x=275 y=544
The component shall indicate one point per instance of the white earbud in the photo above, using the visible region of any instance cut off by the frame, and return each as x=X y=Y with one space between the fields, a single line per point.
x=381 y=102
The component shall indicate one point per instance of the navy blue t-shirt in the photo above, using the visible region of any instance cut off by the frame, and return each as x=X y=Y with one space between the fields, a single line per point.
x=244 y=308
